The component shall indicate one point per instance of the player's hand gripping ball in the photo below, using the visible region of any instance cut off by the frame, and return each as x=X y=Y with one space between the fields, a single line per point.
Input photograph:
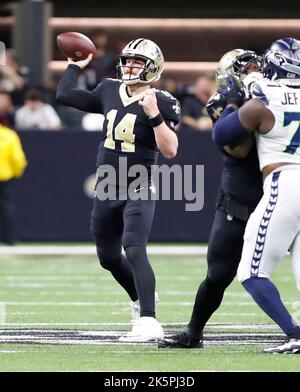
x=75 y=46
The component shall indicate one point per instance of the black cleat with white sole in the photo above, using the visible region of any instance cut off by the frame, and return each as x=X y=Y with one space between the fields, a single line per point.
x=181 y=340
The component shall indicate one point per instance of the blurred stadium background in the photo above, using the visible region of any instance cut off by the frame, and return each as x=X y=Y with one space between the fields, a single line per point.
x=54 y=196
x=45 y=288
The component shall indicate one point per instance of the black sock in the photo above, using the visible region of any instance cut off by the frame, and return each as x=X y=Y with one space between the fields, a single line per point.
x=144 y=279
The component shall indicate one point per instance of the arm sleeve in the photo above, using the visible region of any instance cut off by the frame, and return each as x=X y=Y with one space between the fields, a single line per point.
x=69 y=95
x=228 y=129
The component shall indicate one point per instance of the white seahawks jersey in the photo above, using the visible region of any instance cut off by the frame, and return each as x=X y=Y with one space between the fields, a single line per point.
x=282 y=142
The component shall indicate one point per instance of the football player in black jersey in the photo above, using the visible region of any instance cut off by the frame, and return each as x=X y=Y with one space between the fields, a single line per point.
x=139 y=123
x=238 y=195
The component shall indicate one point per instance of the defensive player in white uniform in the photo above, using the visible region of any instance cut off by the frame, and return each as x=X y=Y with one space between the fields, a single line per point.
x=274 y=226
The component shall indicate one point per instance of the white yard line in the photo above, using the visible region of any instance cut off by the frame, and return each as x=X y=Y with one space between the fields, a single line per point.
x=88 y=250
x=114 y=303
x=66 y=324
x=106 y=337
x=124 y=306
x=116 y=324
x=223 y=326
x=9 y=352
x=2 y=313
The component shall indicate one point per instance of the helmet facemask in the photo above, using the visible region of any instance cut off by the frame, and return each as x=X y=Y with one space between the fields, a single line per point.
x=129 y=77
x=244 y=61
x=236 y=62
x=143 y=50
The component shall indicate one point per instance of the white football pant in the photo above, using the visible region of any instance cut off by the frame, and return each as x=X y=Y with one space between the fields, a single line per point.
x=274 y=227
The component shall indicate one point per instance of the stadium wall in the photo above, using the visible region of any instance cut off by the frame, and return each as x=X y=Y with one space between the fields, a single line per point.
x=54 y=200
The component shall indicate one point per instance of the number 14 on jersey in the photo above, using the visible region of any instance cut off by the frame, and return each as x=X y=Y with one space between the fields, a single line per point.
x=123 y=131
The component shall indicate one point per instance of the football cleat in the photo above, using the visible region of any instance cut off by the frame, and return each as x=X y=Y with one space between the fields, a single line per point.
x=181 y=340
x=145 y=329
x=135 y=308
x=291 y=347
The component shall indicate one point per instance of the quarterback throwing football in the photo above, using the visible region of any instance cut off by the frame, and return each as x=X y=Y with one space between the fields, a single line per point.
x=139 y=123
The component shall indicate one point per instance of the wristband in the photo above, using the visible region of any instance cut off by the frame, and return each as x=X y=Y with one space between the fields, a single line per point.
x=156 y=121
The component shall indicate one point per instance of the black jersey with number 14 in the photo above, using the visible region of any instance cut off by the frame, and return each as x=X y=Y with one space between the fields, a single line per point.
x=126 y=129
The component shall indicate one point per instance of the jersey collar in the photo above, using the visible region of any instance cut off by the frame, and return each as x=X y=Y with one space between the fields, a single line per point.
x=125 y=98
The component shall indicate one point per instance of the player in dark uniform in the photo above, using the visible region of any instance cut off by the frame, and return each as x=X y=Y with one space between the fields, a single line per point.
x=239 y=193
x=139 y=122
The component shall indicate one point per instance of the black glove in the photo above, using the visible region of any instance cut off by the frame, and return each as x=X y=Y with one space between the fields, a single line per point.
x=215 y=106
x=232 y=89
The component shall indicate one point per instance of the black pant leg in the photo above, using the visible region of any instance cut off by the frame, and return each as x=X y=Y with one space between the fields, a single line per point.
x=138 y=217
x=223 y=257
x=107 y=230
x=7 y=212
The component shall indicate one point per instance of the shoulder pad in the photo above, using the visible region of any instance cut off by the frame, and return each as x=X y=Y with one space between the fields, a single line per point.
x=165 y=94
x=167 y=100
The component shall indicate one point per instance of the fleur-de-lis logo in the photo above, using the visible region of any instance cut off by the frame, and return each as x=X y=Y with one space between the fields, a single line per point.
x=217 y=112
x=176 y=108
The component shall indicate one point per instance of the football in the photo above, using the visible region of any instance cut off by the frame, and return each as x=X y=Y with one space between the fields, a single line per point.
x=75 y=46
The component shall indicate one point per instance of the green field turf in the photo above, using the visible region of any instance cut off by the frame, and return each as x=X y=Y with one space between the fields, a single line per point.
x=59 y=299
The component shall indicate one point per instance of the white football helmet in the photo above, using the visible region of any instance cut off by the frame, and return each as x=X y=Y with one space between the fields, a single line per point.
x=147 y=51
x=282 y=61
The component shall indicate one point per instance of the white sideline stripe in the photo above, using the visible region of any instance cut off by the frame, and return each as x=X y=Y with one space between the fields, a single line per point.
x=178 y=324
x=222 y=326
x=90 y=250
x=85 y=338
x=98 y=292
x=77 y=340
x=9 y=352
x=125 y=304
x=109 y=342
x=220 y=314
x=75 y=324
x=2 y=313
